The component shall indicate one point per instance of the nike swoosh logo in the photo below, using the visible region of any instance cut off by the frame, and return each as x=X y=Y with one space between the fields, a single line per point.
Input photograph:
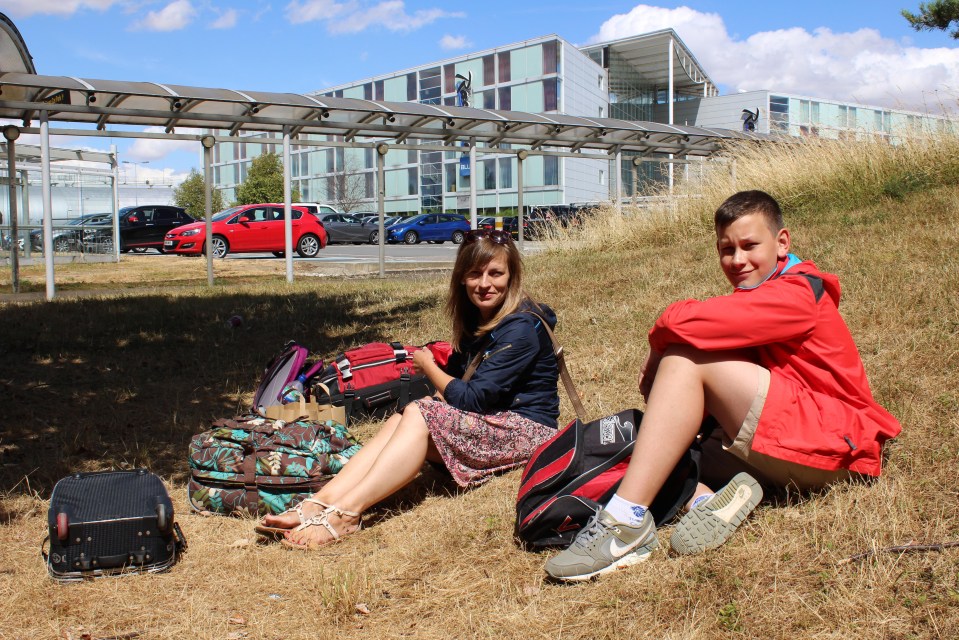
x=742 y=496
x=618 y=551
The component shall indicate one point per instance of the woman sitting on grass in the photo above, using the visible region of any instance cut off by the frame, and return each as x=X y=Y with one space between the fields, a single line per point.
x=491 y=423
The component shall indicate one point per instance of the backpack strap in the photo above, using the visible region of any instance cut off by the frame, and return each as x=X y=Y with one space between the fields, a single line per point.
x=563 y=371
x=818 y=289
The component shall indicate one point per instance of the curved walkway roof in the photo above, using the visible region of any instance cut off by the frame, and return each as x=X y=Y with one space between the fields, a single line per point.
x=23 y=96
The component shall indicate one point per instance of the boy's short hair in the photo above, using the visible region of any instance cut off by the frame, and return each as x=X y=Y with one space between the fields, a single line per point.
x=745 y=203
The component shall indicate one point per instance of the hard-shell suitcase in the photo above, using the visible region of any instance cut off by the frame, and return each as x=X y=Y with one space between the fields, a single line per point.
x=109 y=523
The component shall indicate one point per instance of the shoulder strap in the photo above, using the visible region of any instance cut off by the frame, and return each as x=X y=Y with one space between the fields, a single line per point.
x=816 y=283
x=474 y=363
x=563 y=371
x=560 y=362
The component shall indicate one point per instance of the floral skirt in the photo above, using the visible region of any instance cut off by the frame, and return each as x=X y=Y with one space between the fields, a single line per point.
x=474 y=446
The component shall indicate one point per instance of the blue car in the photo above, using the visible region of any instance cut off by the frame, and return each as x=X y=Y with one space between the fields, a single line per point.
x=432 y=227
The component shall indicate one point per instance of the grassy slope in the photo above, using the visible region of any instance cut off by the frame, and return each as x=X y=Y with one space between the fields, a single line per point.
x=93 y=383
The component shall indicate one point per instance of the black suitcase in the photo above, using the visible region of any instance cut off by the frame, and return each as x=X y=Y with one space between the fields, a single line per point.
x=111 y=523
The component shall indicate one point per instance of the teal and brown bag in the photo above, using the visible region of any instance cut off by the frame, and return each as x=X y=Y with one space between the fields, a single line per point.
x=255 y=464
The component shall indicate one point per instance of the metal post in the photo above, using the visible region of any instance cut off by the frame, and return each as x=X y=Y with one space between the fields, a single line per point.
x=672 y=99
x=25 y=205
x=520 y=157
x=11 y=133
x=116 y=203
x=47 y=202
x=636 y=162
x=381 y=151
x=619 y=182
x=473 y=217
x=287 y=211
x=208 y=142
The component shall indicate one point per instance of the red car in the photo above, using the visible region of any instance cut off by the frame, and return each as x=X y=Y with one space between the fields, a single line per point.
x=250 y=228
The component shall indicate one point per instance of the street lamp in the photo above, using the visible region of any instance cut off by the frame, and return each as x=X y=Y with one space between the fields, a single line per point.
x=136 y=194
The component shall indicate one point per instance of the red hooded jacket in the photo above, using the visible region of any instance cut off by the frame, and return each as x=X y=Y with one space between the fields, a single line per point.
x=819 y=411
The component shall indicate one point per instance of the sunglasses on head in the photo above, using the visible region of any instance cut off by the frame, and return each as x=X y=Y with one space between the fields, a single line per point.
x=494 y=235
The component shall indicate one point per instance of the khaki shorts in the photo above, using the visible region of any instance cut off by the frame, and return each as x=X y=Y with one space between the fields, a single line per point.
x=768 y=470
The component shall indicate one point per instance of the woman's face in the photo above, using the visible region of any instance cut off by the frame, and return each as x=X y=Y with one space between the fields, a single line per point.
x=486 y=286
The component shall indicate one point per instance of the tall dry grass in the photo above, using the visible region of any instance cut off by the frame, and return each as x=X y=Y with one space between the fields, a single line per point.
x=98 y=382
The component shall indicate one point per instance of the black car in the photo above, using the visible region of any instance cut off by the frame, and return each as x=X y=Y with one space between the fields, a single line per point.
x=141 y=227
x=534 y=227
x=69 y=236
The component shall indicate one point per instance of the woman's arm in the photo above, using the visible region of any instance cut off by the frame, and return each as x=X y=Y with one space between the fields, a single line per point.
x=423 y=361
x=507 y=358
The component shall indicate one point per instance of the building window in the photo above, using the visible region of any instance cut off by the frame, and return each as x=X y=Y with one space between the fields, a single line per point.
x=779 y=112
x=413 y=180
x=601 y=82
x=378 y=91
x=602 y=177
x=550 y=102
x=503 y=58
x=550 y=170
x=449 y=79
x=452 y=168
x=430 y=86
x=489 y=70
x=550 y=57
x=368 y=91
x=602 y=111
x=370 y=184
x=505 y=173
x=489 y=99
x=411 y=87
x=505 y=101
x=489 y=174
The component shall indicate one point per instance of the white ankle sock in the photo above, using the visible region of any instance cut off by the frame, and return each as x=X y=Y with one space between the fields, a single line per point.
x=625 y=511
x=700 y=499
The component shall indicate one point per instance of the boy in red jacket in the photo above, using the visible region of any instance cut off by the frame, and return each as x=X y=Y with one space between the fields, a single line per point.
x=777 y=368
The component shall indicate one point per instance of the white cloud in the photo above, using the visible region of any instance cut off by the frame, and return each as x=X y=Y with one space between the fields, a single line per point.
x=24 y=8
x=452 y=43
x=152 y=149
x=227 y=20
x=860 y=66
x=353 y=16
x=312 y=10
x=172 y=17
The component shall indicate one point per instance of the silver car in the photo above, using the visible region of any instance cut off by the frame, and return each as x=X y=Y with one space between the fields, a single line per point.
x=343 y=227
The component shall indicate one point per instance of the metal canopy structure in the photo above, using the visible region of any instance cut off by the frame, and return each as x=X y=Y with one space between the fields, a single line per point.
x=104 y=103
x=646 y=54
x=112 y=108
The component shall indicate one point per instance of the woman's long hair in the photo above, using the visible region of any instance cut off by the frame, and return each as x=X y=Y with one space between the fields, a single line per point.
x=462 y=312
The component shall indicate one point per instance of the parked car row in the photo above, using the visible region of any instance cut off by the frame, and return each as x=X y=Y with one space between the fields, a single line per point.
x=260 y=228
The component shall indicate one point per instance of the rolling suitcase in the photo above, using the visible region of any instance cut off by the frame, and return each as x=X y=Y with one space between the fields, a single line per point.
x=111 y=523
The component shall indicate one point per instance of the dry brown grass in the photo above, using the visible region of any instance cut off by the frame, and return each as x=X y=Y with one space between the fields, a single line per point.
x=125 y=380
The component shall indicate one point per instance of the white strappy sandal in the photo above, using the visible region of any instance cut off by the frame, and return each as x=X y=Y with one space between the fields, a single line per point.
x=322 y=520
x=276 y=533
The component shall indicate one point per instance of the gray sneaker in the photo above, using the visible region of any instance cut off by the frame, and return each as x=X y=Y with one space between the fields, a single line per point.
x=713 y=522
x=604 y=545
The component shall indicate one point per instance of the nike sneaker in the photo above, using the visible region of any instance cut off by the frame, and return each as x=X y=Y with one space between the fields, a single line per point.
x=713 y=522
x=602 y=546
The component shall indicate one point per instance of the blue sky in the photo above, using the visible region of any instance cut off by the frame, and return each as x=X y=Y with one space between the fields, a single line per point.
x=860 y=50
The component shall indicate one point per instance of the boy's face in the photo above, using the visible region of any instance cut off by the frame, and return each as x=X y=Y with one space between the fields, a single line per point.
x=749 y=249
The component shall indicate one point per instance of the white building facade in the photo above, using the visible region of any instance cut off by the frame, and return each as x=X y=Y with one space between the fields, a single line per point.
x=652 y=77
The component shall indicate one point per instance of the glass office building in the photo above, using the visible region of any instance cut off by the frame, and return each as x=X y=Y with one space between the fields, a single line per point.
x=651 y=77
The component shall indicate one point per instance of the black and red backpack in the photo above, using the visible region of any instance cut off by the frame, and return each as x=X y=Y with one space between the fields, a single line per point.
x=574 y=473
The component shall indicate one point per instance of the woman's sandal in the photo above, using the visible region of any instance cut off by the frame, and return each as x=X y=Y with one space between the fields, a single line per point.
x=276 y=533
x=321 y=520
